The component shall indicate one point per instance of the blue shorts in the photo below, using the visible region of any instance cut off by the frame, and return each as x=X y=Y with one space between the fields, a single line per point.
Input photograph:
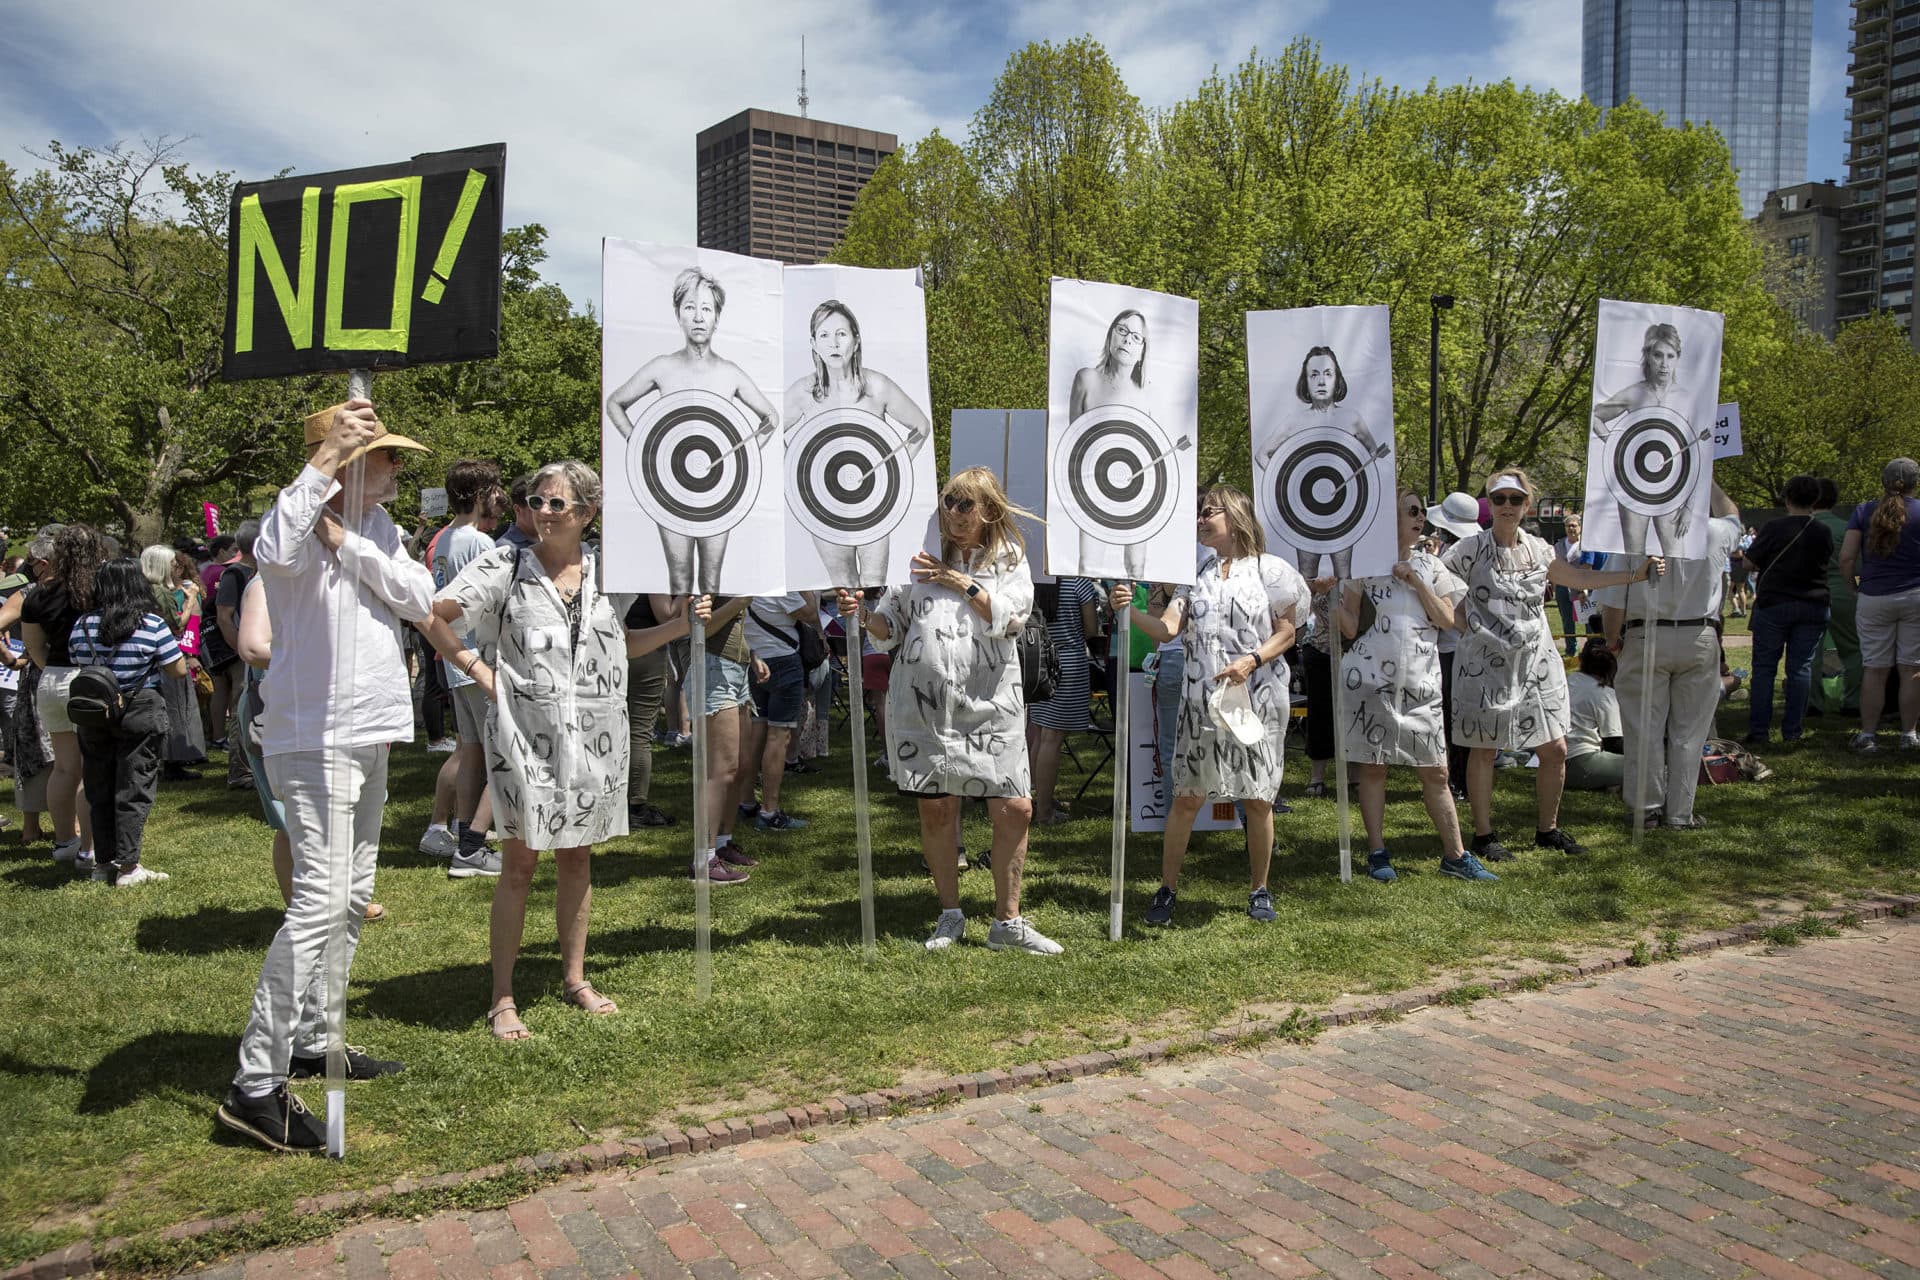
x=726 y=684
x=779 y=700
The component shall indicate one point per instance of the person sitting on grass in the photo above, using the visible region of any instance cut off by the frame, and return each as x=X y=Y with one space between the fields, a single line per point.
x=1595 y=748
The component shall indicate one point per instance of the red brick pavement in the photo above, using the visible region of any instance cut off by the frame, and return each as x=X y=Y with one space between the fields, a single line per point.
x=1745 y=1113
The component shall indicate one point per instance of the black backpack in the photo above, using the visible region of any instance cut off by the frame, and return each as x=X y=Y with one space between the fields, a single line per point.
x=94 y=700
x=1039 y=660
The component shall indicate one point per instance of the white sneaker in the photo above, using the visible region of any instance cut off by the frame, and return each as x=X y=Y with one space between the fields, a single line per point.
x=439 y=842
x=141 y=874
x=1910 y=740
x=84 y=861
x=465 y=866
x=444 y=746
x=1863 y=742
x=1017 y=935
x=951 y=928
x=64 y=850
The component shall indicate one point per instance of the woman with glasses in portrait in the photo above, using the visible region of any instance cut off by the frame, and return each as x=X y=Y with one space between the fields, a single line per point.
x=556 y=726
x=1119 y=377
x=956 y=713
x=1509 y=685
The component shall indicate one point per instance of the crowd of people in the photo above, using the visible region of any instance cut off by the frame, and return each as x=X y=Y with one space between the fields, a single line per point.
x=547 y=693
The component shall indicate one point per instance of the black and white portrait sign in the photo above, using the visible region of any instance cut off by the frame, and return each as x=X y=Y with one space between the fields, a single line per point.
x=1123 y=417
x=690 y=427
x=860 y=485
x=1320 y=387
x=1656 y=399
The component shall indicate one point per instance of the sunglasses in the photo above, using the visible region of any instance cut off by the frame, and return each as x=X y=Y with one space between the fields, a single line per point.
x=1208 y=513
x=1507 y=499
x=559 y=506
x=1415 y=510
x=959 y=506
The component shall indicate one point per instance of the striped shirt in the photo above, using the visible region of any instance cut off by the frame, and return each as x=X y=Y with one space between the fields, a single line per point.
x=135 y=661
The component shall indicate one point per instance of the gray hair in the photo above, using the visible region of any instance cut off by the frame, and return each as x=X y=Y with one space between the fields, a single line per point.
x=246 y=535
x=42 y=545
x=156 y=562
x=581 y=478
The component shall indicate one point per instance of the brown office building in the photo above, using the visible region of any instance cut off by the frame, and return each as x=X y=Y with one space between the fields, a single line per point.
x=1803 y=223
x=779 y=186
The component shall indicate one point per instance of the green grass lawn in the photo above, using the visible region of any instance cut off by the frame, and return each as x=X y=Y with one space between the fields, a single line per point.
x=122 y=1009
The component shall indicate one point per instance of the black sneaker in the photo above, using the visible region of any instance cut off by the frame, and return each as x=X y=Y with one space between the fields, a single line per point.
x=1260 y=905
x=1488 y=848
x=1160 y=911
x=647 y=815
x=359 y=1066
x=1555 y=839
x=279 y=1121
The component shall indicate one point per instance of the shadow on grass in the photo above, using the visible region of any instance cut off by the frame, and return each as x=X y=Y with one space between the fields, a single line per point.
x=39 y=873
x=208 y=931
x=161 y=1061
x=12 y=1066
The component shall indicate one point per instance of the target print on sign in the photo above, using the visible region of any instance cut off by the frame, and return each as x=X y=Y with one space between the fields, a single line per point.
x=1122 y=422
x=1320 y=385
x=1656 y=398
x=690 y=438
x=859 y=482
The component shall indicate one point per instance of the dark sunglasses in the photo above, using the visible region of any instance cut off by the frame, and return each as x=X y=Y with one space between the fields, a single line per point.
x=1415 y=510
x=1208 y=513
x=1507 y=499
x=959 y=506
x=559 y=506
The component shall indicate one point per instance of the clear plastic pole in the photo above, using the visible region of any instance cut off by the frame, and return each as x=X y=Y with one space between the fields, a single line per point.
x=696 y=683
x=340 y=799
x=1122 y=749
x=862 y=829
x=1345 y=808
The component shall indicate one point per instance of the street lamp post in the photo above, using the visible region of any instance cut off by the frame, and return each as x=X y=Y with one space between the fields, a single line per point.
x=1440 y=302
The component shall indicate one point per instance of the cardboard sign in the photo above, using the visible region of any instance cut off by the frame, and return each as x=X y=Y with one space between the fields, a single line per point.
x=1149 y=790
x=374 y=268
x=1726 y=433
x=433 y=502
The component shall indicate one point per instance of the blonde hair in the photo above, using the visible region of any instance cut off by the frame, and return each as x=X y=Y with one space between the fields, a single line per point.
x=999 y=517
x=1248 y=538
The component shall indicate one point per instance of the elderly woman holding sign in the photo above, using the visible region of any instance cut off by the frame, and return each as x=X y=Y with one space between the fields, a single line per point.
x=557 y=726
x=1238 y=618
x=1391 y=673
x=1509 y=687
x=954 y=702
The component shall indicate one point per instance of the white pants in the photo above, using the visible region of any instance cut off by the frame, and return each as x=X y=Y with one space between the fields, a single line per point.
x=290 y=1004
x=1678 y=718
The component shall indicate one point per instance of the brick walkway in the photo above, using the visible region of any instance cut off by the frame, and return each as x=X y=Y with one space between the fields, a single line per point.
x=1747 y=1113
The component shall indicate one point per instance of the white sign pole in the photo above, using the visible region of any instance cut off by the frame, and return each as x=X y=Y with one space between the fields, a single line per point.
x=862 y=829
x=696 y=683
x=1122 y=741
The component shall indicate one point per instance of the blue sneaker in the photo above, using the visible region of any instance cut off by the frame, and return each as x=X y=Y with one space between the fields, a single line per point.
x=778 y=820
x=1380 y=866
x=1465 y=867
x=1260 y=905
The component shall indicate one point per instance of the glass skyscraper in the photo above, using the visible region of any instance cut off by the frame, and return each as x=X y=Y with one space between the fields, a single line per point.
x=1739 y=65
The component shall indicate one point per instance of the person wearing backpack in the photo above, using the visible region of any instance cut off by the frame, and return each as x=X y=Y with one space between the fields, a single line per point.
x=121 y=650
x=1239 y=619
x=955 y=706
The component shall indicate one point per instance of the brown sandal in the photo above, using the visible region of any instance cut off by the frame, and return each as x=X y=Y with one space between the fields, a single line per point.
x=583 y=995
x=514 y=1029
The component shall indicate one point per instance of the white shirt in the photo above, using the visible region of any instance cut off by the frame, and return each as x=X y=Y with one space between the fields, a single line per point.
x=304 y=711
x=1595 y=711
x=778 y=610
x=1688 y=589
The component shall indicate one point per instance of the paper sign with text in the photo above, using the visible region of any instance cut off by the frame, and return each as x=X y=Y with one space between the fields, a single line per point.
x=375 y=268
x=433 y=502
x=1726 y=433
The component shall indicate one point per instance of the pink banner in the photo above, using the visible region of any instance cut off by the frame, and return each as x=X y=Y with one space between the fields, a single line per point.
x=211 y=514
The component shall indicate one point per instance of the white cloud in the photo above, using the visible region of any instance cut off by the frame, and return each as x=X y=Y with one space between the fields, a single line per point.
x=598 y=101
x=1539 y=43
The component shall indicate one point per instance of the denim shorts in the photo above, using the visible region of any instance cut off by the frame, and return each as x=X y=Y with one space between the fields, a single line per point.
x=726 y=684
x=778 y=701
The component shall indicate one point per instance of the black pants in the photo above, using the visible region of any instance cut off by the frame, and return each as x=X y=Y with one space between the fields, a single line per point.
x=1318 y=667
x=1456 y=756
x=646 y=691
x=121 y=768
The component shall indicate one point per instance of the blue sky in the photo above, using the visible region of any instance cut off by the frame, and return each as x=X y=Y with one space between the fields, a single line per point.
x=598 y=100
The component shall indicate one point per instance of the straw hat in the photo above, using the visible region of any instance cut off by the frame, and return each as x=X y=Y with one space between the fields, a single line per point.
x=319 y=423
x=1457 y=513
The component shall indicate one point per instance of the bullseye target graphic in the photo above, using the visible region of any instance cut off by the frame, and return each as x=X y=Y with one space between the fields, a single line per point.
x=849 y=477
x=1115 y=474
x=1651 y=461
x=1320 y=495
x=693 y=462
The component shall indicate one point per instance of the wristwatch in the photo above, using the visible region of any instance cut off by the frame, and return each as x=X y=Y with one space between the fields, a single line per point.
x=973 y=589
